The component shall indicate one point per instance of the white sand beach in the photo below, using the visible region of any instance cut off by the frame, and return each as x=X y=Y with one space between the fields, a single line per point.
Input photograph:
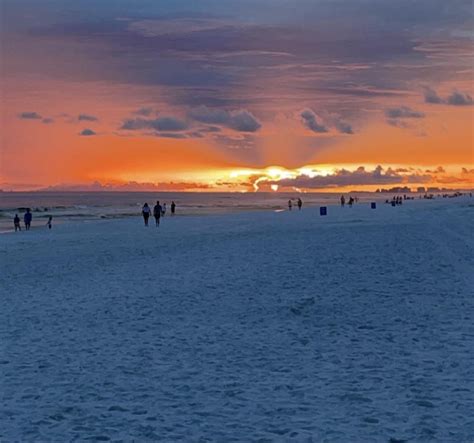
x=263 y=326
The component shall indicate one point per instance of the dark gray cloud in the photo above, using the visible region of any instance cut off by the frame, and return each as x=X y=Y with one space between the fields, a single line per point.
x=30 y=116
x=87 y=132
x=456 y=98
x=459 y=99
x=87 y=118
x=47 y=120
x=244 y=121
x=240 y=120
x=310 y=120
x=158 y=124
x=398 y=116
x=431 y=96
x=344 y=127
x=403 y=112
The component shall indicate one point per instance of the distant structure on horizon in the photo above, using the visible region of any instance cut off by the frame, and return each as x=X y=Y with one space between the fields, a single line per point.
x=403 y=189
x=420 y=189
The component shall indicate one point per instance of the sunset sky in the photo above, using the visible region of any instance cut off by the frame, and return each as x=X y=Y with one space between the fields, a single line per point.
x=236 y=95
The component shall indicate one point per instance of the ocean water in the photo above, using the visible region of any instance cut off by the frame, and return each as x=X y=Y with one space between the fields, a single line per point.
x=86 y=206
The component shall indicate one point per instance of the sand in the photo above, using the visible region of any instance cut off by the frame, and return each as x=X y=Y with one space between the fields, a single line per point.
x=257 y=326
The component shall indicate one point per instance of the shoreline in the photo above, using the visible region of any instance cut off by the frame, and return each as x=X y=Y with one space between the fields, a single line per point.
x=231 y=212
x=86 y=207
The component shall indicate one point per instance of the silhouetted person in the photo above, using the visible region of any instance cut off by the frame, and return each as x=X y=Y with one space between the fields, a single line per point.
x=351 y=201
x=157 y=211
x=300 y=203
x=49 y=223
x=163 y=210
x=343 y=200
x=290 y=205
x=16 y=223
x=146 y=212
x=27 y=219
x=173 y=208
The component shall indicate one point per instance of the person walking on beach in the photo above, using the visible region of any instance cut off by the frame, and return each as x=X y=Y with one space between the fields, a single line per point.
x=351 y=202
x=290 y=205
x=173 y=207
x=146 y=212
x=157 y=211
x=49 y=223
x=343 y=200
x=27 y=219
x=16 y=223
x=163 y=210
x=300 y=203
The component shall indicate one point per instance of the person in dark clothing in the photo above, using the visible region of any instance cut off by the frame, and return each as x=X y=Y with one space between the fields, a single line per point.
x=157 y=213
x=173 y=207
x=343 y=200
x=16 y=223
x=290 y=205
x=351 y=201
x=300 y=203
x=146 y=212
x=49 y=223
x=27 y=219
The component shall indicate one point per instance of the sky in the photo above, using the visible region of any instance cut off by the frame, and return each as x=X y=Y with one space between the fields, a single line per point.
x=304 y=95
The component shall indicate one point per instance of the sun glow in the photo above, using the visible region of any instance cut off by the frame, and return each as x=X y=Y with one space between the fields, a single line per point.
x=269 y=178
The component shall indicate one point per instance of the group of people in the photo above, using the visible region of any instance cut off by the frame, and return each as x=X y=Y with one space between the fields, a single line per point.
x=27 y=219
x=158 y=212
x=396 y=200
x=351 y=201
x=299 y=203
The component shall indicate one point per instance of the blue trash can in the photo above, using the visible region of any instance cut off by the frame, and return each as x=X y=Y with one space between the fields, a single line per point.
x=373 y=205
x=323 y=210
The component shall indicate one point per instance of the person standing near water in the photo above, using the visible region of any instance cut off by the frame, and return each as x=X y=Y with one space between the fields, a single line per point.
x=163 y=210
x=173 y=207
x=157 y=210
x=290 y=205
x=16 y=223
x=27 y=219
x=146 y=212
x=300 y=203
x=343 y=200
x=49 y=223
